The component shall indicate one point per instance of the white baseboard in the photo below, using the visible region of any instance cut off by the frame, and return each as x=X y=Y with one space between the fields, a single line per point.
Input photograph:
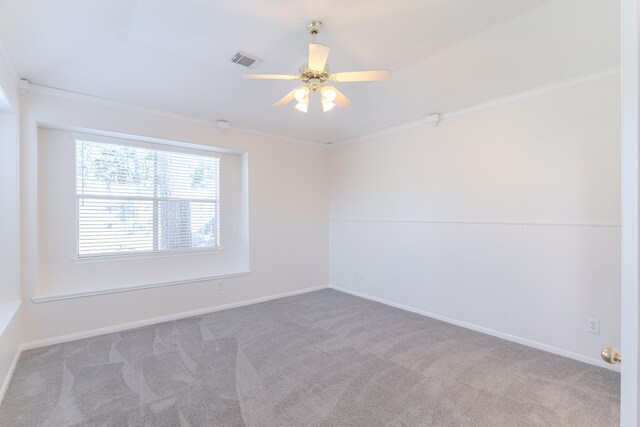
x=7 y=380
x=145 y=322
x=508 y=337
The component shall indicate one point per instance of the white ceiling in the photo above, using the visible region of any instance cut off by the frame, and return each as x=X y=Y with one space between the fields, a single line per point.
x=174 y=55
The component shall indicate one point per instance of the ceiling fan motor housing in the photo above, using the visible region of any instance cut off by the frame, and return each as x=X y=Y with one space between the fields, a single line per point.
x=314 y=78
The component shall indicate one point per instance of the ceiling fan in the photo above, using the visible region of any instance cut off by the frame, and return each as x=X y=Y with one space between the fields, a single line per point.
x=316 y=77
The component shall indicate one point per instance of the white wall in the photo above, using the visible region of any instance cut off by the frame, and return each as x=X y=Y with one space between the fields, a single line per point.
x=9 y=214
x=59 y=270
x=288 y=238
x=506 y=219
x=10 y=332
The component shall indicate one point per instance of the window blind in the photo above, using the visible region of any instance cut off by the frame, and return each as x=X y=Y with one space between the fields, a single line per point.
x=133 y=200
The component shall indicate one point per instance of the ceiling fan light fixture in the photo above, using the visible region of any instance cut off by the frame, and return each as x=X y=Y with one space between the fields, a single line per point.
x=328 y=94
x=302 y=95
x=327 y=105
x=302 y=106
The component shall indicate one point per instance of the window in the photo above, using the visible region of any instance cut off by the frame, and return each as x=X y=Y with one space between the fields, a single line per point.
x=132 y=199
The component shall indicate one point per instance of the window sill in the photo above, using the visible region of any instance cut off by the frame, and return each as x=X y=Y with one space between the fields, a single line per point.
x=95 y=292
x=144 y=255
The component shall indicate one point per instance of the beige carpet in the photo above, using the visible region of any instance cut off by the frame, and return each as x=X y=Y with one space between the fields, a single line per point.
x=320 y=359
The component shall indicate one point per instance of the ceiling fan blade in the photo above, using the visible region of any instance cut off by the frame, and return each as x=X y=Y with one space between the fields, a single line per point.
x=361 y=76
x=341 y=100
x=285 y=99
x=271 y=76
x=318 y=54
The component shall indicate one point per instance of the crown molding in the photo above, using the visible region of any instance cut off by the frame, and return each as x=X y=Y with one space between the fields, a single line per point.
x=82 y=97
x=519 y=96
x=541 y=90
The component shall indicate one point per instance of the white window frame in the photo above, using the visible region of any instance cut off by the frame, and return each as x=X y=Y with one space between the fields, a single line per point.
x=172 y=146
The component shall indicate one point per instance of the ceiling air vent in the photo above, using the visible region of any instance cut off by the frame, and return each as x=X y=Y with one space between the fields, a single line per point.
x=246 y=59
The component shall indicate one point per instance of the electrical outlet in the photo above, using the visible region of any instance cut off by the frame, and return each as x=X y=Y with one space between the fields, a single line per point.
x=593 y=326
x=220 y=285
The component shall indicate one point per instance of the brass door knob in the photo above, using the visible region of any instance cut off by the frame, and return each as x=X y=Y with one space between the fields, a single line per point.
x=611 y=355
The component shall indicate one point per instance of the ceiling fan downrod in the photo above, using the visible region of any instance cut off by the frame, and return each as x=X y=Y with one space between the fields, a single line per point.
x=314 y=28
